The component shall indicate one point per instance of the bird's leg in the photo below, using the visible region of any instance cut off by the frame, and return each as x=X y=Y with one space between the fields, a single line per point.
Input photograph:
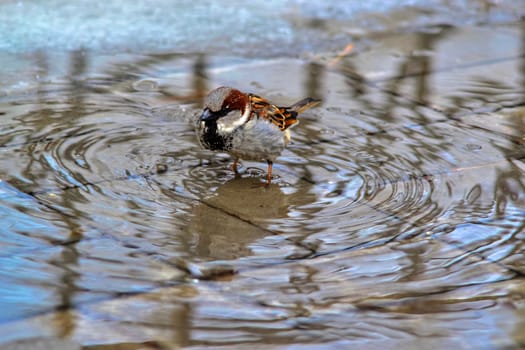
x=269 y=176
x=234 y=165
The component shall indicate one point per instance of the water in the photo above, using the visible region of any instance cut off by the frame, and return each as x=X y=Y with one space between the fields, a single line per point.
x=395 y=218
x=265 y=28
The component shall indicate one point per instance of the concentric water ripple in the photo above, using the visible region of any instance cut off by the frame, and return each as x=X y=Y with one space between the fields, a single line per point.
x=351 y=186
x=104 y=182
x=364 y=191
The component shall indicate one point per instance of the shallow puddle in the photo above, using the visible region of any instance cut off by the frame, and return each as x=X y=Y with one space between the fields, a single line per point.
x=396 y=215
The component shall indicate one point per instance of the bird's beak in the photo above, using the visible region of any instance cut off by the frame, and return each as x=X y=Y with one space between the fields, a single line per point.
x=207 y=115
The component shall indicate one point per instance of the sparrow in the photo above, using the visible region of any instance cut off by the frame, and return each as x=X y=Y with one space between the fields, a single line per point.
x=247 y=126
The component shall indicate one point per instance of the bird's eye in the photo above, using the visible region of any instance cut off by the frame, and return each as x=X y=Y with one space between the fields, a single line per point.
x=223 y=112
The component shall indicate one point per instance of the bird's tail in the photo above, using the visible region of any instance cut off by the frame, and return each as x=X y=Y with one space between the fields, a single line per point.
x=304 y=104
x=290 y=113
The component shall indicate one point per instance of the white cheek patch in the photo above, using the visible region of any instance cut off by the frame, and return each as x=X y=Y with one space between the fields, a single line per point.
x=232 y=121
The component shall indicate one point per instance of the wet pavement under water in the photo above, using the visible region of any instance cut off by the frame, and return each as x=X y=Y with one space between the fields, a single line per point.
x=395 y=219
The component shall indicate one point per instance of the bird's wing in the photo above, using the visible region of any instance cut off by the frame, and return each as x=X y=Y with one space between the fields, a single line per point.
x=283 y=117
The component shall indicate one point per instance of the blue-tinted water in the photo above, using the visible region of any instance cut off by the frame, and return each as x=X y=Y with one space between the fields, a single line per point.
x=260 y=28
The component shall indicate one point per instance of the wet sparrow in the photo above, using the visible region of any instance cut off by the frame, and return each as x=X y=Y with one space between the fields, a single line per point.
x=247 y=126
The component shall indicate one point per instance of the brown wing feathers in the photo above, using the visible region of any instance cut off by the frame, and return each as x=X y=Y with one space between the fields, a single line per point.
x=283 y=117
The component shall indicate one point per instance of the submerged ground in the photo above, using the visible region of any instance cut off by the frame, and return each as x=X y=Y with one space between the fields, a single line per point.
x=395 y=220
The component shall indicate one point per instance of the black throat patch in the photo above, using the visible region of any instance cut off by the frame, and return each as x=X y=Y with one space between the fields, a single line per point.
x=211 y=140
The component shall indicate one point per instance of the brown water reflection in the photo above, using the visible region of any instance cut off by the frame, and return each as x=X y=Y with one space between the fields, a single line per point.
x=396 y=215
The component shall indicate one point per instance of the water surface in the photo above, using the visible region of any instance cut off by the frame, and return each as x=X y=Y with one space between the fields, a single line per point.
x=395 y=218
